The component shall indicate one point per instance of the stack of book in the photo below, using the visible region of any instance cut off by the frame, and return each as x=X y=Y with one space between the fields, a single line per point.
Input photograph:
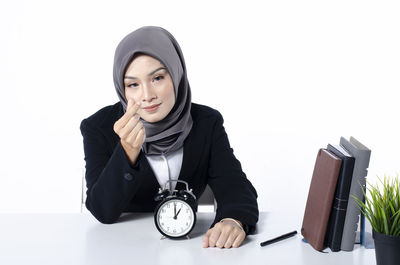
x=331 y=215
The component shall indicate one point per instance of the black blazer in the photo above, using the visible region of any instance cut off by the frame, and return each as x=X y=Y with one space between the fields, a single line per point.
x=115 y=186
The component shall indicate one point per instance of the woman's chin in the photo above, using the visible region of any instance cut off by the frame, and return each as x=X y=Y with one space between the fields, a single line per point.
x=152 y=118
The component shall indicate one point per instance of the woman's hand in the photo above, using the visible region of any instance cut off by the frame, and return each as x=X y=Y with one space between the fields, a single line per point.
x=225 y=234
x=131 y=131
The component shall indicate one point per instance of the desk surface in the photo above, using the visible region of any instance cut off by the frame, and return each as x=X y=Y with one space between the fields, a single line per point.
x=81 y=239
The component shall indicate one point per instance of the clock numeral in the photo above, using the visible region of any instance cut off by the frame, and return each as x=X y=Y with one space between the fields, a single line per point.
x=187 y=224
x=174 y=231
x=187 y=210
x=162 y=224
x=168 y=228
x=163 y=210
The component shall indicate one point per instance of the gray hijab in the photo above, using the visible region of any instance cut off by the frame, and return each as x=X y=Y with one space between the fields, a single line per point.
x=168 y=134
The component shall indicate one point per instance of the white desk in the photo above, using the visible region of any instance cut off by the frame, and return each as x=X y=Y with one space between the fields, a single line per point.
x=80 y=239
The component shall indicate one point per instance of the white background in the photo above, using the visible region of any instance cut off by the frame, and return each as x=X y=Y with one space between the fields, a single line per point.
x=289 y=77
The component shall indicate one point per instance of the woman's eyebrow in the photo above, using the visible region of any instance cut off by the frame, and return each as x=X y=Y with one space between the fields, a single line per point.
x=151 y=73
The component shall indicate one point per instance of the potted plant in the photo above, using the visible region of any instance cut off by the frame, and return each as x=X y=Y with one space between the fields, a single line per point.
x=382 y=209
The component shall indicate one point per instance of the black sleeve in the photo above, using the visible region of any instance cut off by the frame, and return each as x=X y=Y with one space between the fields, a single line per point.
x=111 y=180
x=235 y=195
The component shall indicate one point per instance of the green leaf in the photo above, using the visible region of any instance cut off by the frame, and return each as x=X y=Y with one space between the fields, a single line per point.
x=382 y=206
x=395 y=223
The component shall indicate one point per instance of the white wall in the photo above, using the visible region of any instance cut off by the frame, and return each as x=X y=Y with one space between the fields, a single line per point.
x=288 y=76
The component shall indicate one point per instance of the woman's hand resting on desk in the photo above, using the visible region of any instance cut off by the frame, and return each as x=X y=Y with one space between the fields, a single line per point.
x=131 y=131
x=226 y=233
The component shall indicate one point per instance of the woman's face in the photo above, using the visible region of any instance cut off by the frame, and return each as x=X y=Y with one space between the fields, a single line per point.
x=148 y=81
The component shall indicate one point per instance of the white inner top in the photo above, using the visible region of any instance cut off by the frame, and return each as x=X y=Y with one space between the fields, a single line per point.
x=166 y=167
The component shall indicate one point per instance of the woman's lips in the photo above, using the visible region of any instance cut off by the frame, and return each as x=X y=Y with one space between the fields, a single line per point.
x=152 y=108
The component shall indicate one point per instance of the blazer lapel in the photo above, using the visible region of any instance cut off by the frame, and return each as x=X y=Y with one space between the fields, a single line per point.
x=193 y=148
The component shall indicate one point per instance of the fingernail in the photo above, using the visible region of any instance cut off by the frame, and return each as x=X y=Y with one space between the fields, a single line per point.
x=138 y=103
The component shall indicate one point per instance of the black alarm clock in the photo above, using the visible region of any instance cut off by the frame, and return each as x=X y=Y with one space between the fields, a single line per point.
x=175 y=216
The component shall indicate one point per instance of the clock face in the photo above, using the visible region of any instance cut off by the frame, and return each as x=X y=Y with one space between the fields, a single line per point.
x=175 y=218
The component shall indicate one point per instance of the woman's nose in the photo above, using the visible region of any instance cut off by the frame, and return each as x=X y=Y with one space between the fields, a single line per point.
x=148 y=93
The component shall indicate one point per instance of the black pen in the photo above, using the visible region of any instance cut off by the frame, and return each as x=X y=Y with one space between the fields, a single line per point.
x=279 y=238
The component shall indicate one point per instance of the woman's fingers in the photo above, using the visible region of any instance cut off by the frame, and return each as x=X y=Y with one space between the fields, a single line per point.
x=213 y=238
x=224 y=235
x=131 y=111
x=140 y=138
x=131 y=137
x=230 y=239
x=130 y=129
x=239 y=239
x=206 y=238
x=127 y=129
x=226 y=231
x=132 y=108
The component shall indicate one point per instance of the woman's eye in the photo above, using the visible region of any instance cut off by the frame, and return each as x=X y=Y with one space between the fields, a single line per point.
x=158 y=78
x=133 y=85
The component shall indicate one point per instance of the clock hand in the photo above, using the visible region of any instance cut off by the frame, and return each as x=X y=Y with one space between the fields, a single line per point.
x=178 y=213
x=174 y=210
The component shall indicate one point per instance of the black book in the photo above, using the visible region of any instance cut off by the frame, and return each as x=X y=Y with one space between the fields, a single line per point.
x=334 y=231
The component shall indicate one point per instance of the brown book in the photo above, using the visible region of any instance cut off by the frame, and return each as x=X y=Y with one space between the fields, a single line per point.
x=320 y=198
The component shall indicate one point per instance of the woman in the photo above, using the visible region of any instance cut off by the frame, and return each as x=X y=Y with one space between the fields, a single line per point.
x=155 y=134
